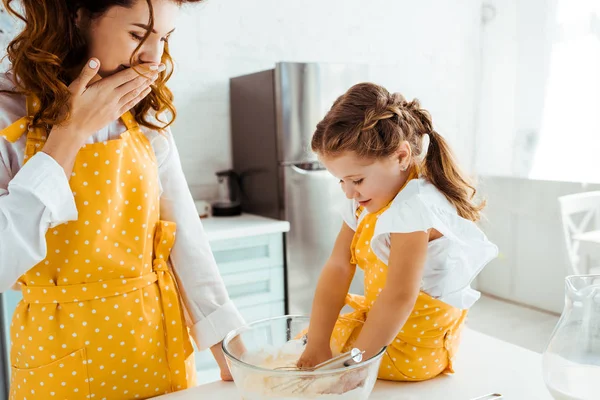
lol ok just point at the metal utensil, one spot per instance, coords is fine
(492, 396)
(343, 360)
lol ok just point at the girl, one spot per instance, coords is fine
(409, 224)
(89, 204)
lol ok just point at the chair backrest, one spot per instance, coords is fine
(580, 213)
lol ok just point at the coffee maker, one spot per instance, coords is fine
(229, 202)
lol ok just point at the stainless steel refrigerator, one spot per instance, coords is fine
(273, 116)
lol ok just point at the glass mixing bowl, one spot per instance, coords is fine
(253, 350)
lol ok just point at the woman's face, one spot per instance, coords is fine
(114, 36)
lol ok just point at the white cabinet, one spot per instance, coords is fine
(252, 268)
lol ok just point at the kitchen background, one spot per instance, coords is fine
(510, 84)
(513, 85)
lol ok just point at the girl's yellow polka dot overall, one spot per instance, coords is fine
(426, 345)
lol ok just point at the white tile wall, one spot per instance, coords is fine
(427, 49)
(9, 26)
(516, 47)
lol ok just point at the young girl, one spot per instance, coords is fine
(89, 205)
(409, 224)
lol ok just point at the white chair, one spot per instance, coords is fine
(581, 225)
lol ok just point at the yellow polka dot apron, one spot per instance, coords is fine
(426, 345)
(101, 316)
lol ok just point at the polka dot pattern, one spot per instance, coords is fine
(101, 316)
(13, 132)
(426, 345)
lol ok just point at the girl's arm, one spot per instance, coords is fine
(332, 288)
(397, 299)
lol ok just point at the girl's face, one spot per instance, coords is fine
(371, 182)
(114, 36)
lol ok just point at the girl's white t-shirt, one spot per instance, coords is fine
(452, 261)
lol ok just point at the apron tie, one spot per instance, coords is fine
(178, 344)
(85, 291)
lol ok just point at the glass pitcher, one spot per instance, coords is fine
(571, 362)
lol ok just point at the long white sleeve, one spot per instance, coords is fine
(212, 312)
(33, 197)
(37, 198)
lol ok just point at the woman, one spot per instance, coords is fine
(91, 190)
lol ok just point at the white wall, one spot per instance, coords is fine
(540, 90)
(523, 219)
(537, 137)
(8, 29)
(516, 43)
(427, 49)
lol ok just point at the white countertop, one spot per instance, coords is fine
(484, 365)
(220, 228)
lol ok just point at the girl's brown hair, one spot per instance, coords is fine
(46, 54)
(373, 123)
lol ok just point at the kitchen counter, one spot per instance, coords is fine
(484, 365)
(222, 228)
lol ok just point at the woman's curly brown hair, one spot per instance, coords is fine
(46, 54)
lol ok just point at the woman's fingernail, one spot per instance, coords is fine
(93, 64)
(162, 67)
(153, 67)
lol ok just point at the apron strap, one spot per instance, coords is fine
(14, 131)
(372, 218)
(178, 343)
(36, 136)
(129, 120)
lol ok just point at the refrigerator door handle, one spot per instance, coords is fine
(313, 172)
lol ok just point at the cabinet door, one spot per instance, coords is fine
(248, 253)
(256, 287)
